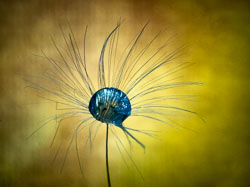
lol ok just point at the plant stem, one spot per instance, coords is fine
(107, 158)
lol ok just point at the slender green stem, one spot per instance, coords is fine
(107, 158)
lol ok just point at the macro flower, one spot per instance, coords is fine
(132, 84)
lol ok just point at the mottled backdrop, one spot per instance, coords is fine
(217, 35)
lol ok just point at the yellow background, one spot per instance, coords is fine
(217, 33)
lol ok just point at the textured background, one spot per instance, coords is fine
(217, 33)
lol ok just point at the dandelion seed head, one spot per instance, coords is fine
(133, 80)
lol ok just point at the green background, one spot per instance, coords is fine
(217, 33)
